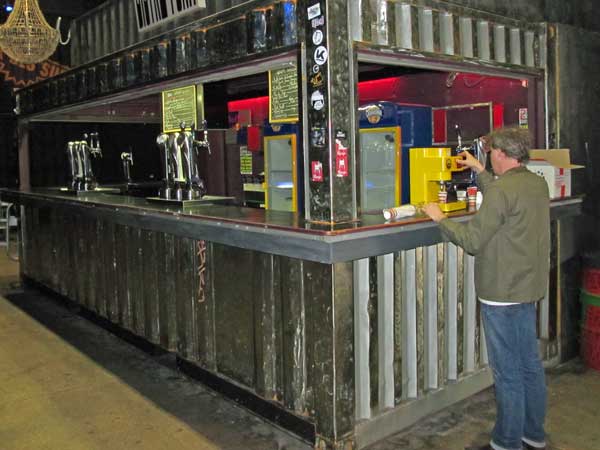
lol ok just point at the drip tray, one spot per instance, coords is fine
(206, 200)
(99, 190)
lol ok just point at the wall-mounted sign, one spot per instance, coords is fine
(245, 161)
(17, 75)
(283, 95)
(179, 105)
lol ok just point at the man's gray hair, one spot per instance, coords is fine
(513, 141)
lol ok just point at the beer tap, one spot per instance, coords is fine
(127, 160)
(204, 142)
(162, 141)
(185, 143)
(88, 173)
(74, 164)
(175, 158)
(95, 149)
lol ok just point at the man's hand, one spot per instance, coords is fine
(433, 211)
(471, 162)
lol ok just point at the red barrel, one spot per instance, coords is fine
(591, 281)
(590, 332)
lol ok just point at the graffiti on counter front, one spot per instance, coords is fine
(201, 271)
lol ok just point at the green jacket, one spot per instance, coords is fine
(509, 237)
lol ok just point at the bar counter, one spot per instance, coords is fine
(275, 232)
(342, 334)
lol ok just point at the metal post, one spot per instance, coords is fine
(24, 166)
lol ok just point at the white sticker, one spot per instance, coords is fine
(314, 11)
(321, 55)
(317, 37)
(318, 22)
(317, 100)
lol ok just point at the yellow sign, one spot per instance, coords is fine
(179, 106)
(283, 95)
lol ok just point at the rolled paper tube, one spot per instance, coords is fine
(399, 212)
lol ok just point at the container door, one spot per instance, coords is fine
(380, 168)
(280, 172)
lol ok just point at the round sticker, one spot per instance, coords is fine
(321, 55)
(317, 37)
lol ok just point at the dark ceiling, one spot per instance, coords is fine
(68, 8)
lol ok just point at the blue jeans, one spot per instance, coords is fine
(510, 334)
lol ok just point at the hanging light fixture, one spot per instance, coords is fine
(26, 37)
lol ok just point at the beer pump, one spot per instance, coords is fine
(80, 154)
(179, 156)
(127, 160)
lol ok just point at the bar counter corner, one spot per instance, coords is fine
(343, 334)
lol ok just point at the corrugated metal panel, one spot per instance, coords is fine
(437, 27)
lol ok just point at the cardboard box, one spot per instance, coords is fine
(555, 167)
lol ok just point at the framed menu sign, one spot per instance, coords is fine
(179, 105)
(283, 95)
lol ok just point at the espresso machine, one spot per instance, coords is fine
(432, 171)
(179, 159)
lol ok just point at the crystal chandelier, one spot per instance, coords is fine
(26, 37)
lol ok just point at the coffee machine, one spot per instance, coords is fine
(432, 171)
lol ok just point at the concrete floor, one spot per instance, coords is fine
(67, 384)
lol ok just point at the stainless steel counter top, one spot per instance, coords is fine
(276, 232)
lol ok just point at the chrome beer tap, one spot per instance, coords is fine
(176, 159)
(127, 160)
(74, 165)
(185, 142)
(162, 141)
(204, 142)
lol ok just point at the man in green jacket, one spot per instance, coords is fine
(510, 239)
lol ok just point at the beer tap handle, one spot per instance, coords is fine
(459, 135)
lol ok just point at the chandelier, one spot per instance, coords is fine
(26, 37)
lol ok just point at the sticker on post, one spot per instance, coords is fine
(317, 136)
(317, 101)
(321, 55)
(316, 171)
(317, 37)
(341, 159)
(523, 118)
(316, 80)
(318, 22)
(314, 11)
